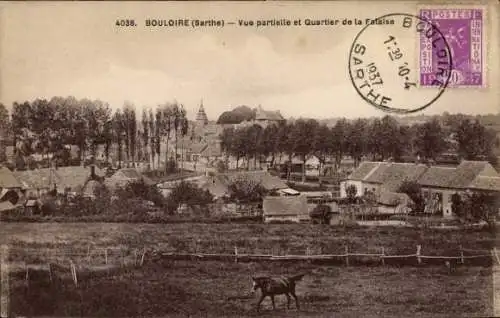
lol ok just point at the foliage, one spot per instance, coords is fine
(321, 213)
(477, 206)
(187, 193)
(237, 115)
(414, 191)
(475, 141)
(171, 166)
(351, 192)
(140, 189)
(221, 166)
(244, 190)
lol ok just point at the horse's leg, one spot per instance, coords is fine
(272, 299)
(287, 301)
(296, 299)
(259, 302)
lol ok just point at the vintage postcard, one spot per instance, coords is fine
(247, 159)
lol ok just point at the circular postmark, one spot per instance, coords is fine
(383, 62)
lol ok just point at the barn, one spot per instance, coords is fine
(285, 209)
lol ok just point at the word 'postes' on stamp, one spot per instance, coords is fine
(463, 30)
(382, 68)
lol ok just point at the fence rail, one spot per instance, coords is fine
(73, 268)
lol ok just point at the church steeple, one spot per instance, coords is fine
(201, 117)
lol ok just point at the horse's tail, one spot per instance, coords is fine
(296, 278)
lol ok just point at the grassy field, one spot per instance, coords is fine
(215, 289)
(249, 238)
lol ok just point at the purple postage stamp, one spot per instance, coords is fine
(463, 30)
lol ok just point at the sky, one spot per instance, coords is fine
(68, 48)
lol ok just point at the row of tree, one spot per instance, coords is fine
(376, 139)
(46, 126)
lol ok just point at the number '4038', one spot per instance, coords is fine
(125, 22)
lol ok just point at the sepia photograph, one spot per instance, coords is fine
(250, 159)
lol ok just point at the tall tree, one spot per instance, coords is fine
(475, 142)
(429, 141)
(184, 129)
(322, 145)
(166, 128)
(303, 136)
(227, 143)
(4, 120)
(158, 130)
(176, 118)
(4, 130)
(339, 145)
(357, 137)
(152, 133)
(118, 133)
(145, 133)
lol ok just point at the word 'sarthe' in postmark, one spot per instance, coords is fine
(463, 30)
(383, 63)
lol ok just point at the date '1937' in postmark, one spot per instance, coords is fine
(382, 68)
(463, 30)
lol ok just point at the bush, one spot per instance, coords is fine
(322, 214)
(244, 190)
(187, 193)
(141, 190)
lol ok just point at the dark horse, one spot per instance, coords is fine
(271, 286)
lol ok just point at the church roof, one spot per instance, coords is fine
(268, 115)
(202, 116)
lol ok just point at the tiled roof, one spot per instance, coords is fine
(285, 206)
(8, 179)
(467, 171)
(437, 177)
(268, 181)
(37, 179)
(218, 184)
(6, 206)
(197, 147)
(461, 177)
(213, 149)
(75, 177)
(126, 175)
(363, 170)
(486, 183)
(268, 115)
(130, 173)
(392, 175)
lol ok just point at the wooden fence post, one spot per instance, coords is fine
(27, 276)
(50, 272)
(236, 254)
(419, 260)
(347, 255)
(88, 253)
(462, 260)
(143, 254)
(382, 257)
(73, 273)
(135, 257)
(106, 255)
